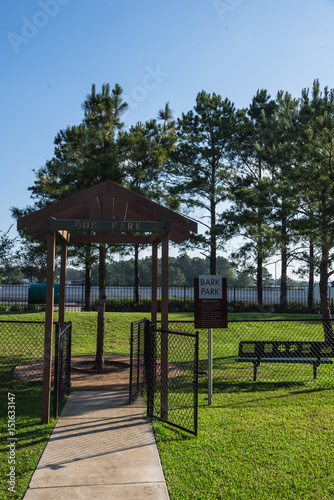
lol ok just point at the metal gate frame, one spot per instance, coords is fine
(138, 358)
(165, 364)
(62, 364)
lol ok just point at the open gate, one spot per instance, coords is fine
(165, 364)
(62, 365)
(138, 358)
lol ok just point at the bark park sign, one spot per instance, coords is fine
(210, 301)
(107, 225)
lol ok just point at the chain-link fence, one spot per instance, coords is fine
(268, 353)
(173, 377)
(21, 353)
(62, 377)
(138, 366)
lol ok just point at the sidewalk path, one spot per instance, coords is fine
(101, 447)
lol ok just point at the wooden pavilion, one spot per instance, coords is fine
(105, 213)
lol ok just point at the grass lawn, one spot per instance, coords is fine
(265, 444)
(256, 440)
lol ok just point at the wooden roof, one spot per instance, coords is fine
(107, 201)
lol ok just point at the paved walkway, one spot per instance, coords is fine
(101, 448)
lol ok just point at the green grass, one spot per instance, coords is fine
(266, 444)
(263, 440)
(32, 438)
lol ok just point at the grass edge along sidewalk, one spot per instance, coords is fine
(249, 441)
(264, 444)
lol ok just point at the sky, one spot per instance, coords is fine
(52, 51)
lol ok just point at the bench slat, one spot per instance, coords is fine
(284, 360)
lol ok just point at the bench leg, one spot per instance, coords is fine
(314, 372)
(255, 372)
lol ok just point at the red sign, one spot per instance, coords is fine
(210, 302)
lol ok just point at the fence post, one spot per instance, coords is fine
(56, 374)
(196, 383)
(131, 364)
(151, 367)
(69, 357)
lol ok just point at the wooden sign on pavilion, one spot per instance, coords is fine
(105, 213)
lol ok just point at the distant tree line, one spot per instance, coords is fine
(182, 271)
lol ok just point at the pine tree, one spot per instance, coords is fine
(199, 170)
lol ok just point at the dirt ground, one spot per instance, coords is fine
(92, 381)
(82, 380)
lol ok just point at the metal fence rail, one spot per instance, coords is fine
(62, 365)
(15, 298)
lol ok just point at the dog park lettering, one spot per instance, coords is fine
(92, 225)
(107, 225)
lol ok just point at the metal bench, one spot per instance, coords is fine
(257, 352)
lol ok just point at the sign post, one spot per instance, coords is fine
(210, 373)
(210, 312)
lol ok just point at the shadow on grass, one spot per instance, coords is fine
(239, 387)
(164, 432)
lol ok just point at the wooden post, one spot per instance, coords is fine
(51, 245)
(62, 286)
(164, 325)
(164, 282)
(154, 292)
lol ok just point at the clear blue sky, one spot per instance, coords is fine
(158, 51)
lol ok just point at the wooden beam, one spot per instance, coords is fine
(62, 286)
(164, 282)
(63, 236)
(154, 285)
(155, 238)
(51, 245)
(164, 325)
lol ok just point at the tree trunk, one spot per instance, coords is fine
(213, 239)
(324, 297)
(284, 263)
(137, 297)
(99, 359)
(88, 278)
(311, 279)
(259, 279)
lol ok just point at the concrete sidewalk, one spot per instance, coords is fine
(101, 447)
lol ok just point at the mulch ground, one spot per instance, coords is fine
(82, 379)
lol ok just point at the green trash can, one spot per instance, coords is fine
(37, 293)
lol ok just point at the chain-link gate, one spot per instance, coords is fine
(165, 363)
(62, 365)
(138, 357)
